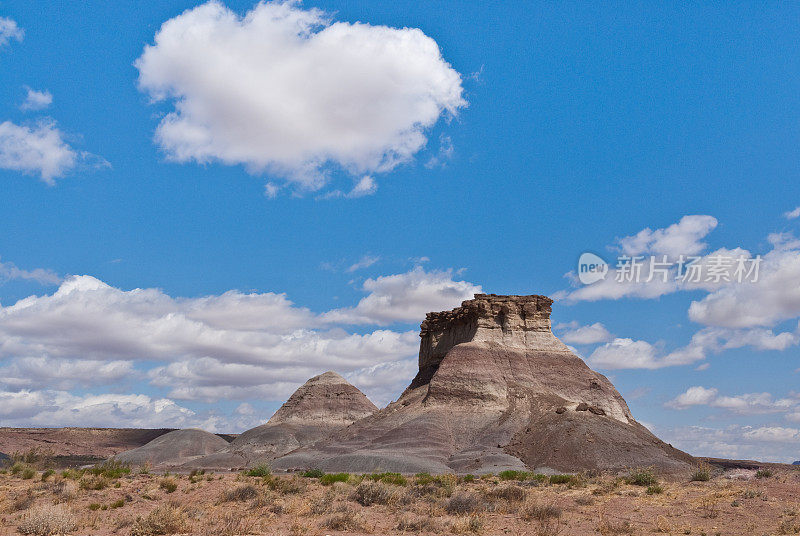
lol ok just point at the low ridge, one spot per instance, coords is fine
(173, 448)
(495, 390)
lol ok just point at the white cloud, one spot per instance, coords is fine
(792, 214)
(773, 433)
(286, 91)
(773, 298)
(36, 100)
(365, 262)
(363, 187)
(625, 353)
(231, 346)
(384, 381)
(767, 443)
(444, 154)
(36, 150)
(592, 334)
(64, 374)
(9, 271)
(694, 396)
(405, 297)
(745, 404)
(682, 238)
(60, 408)
(768, 296)
(9, 30)
(245, 409)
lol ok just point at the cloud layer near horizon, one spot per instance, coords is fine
(229, 347)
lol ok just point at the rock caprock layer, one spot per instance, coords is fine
(323, 405)
(495, 390)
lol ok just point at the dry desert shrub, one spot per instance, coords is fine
(22, 501)
(298, 529)
(464, 502)
(641, 477)
(468, 524)
(546, 517)
(63, 490)
(607, 527)
(709, 507)
(36, 457)
(662, 525)
(787, 526)
(368, 493)
(229, 524)
(242, 493)
(346, 519)
(323, 505)
(46, 520)
(417, 524)
(286, 486)
(94, 482)
(701, 474)
(161, 521)
(168, 484)
(507, 492)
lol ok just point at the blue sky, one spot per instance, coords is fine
(325, 190)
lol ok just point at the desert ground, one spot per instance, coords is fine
(117, 499)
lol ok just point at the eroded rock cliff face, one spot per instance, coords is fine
(513, 321)
(495, 390)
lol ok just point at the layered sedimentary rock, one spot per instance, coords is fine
(322, 406)
(495, 390)
(173, 449)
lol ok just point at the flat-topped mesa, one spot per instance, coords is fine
(514, 321)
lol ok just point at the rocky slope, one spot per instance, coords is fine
(174, 448)
(495, 390)
(322, 406)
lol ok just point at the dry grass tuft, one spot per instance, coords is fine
(464, 502)
(168, 484)
(160, 521)
(607, 527)
(369, 493)
(346, 519)
(418, 524)
(508, 492)
(547, 517)
(242, 493)
(23, 501)
(48, 519)
(468, 524)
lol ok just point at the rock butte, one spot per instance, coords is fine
(495, 390)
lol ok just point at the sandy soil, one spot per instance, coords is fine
(732, 502)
